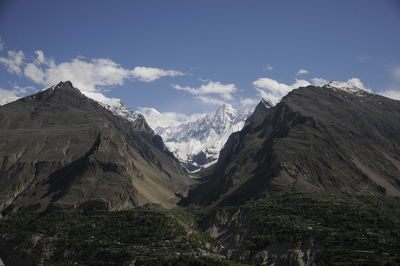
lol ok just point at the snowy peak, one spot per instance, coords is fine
(197, 143)
(347, 87)
(267, 103)
(155, 118)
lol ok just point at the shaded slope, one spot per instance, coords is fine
(316, 139)
(60, 149)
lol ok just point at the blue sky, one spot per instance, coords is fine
(190, 56)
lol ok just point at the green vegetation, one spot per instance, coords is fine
(146, 236)
(341, 230)
(349, 230)
(344, 230)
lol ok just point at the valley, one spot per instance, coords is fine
(312, 180)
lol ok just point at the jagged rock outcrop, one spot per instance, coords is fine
(233, 229)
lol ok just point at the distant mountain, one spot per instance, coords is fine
(197, 143)
(334, 138)
(62, 150)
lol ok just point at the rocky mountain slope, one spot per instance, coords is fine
(61, 150)
(317, 139)
(197, 143)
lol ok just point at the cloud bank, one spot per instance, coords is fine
(89, 75)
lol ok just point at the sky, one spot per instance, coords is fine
(189, 56)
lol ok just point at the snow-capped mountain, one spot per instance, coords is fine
(115, 105)
(197, 143)
(349, 88)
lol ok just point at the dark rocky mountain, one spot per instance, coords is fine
(62, 150)
(316, 140)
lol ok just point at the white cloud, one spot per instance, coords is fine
(1, 45)
(7, 96)
(92, 76)
(87, 75)
(394, 88)
(356, 82)
(353, 82)
(41, 59)
(319, 81)
(302, 72)
(393, 94)
(268, 67)
(249, 101)
(166, 119)
(212, 87)
(149, 74)
(274, 90)
(14, 61)
(35, 73)
(23, 90)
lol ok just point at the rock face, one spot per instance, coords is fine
(317, 139)
(60, 150)
(233, 229)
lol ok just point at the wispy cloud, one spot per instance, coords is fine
(221, 92)
(149, 74)
(319, 81)
(7, 96)
(17, 92)
(13, 62)
(274, 90)
(394, 88)
(302, 72)
(268, 67)
(393, 94)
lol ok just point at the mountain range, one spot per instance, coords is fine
(195, 140)
(312, 180)
(197, 143)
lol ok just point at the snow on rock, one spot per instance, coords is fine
(349, 87)
(197, 143)
(267, 103)
(113, 104)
